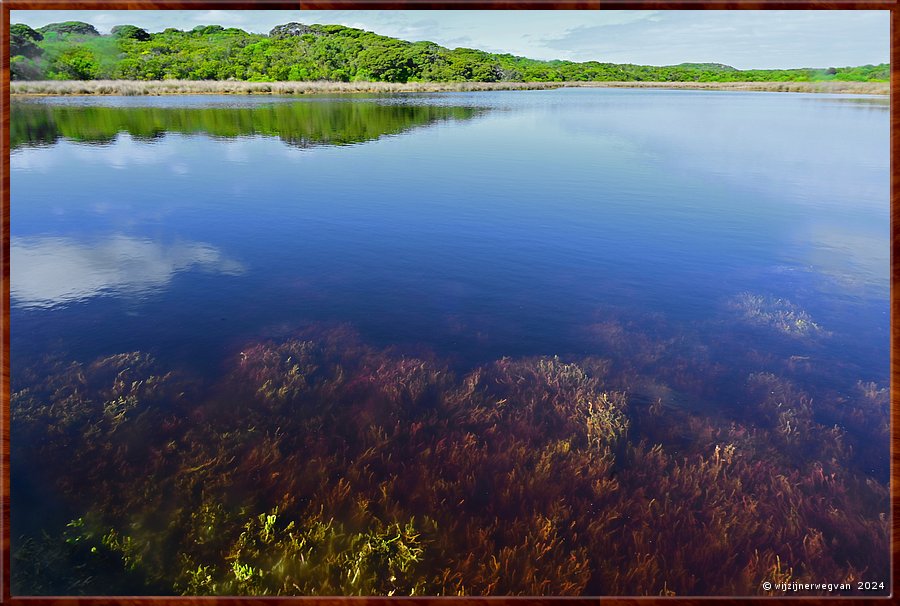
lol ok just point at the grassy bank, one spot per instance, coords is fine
(200, 87)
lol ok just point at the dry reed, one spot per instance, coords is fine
(209, 87)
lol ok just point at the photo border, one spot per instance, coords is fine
(8, 5)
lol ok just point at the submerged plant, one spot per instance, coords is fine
(321, 466)
(780, 314)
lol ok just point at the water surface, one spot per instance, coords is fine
(692, 238)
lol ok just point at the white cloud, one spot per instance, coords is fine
(743, 39)
(31, 159)
(47, 271)
(125, 153)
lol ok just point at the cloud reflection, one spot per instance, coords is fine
(50, 271)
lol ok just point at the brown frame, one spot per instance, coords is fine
(5, 598)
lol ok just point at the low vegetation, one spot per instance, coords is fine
(779, 314)
(209, 87)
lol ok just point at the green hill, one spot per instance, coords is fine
(294, 51)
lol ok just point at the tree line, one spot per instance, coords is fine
(75, 50)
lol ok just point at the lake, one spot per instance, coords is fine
(372, 321)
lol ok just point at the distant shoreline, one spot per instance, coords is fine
(213, 87)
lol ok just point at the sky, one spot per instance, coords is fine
(742, 39)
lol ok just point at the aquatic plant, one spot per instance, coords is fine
(78, 560)
(91, 418)
(545, 398)
(780, 314)
(319, 465)
(315, 557)
(863, 411)
(278, 373)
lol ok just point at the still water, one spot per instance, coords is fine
(722, 233)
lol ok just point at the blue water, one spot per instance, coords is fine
(502, 233)
(670, 232)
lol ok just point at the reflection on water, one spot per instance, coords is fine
(53, 271)
(492, 356)
(299, 124)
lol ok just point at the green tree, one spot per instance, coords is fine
(131, 32)
(76, 63)
(22, 30)
(69, 28)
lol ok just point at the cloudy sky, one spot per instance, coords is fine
(743, 39)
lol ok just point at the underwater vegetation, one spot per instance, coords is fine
(778, 314)
(320, 465)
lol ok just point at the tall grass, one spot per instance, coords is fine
(201, 87)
